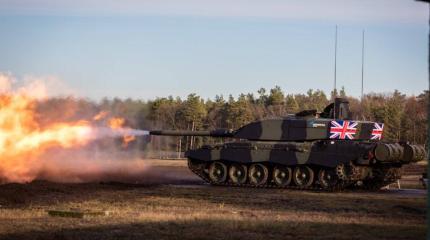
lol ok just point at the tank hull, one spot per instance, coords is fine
(329, 165)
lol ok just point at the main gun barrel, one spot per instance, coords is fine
(213, 133)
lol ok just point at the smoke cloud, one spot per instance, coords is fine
(78, 151)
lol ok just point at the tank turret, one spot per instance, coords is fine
(307, 125)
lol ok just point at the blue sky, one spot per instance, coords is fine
(144, 49)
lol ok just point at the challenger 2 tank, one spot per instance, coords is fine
(307, 150)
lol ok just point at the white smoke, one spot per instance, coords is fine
(104, 132)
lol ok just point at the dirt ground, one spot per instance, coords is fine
(169, 202)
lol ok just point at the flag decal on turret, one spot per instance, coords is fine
(343, 129)
(378, 128)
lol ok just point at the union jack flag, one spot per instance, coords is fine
(343, 129)
(378, 128)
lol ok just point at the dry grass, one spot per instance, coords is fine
(159, 211)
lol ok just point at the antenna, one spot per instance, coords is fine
(362, 67)
(335, 56)
(334, 89)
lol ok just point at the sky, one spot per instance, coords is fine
(146, 49)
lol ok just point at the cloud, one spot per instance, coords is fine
(350, 11)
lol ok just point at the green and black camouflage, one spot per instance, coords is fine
(323, 150)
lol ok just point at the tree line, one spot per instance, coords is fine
(405, 117)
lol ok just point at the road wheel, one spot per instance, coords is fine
(218, 172)
(238, 173)
(258, 174)
(282, 175)
(303, 176)
(327, 178)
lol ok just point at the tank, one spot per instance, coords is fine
(307, 150)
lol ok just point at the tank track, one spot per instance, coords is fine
(383, 177)
(341, 185)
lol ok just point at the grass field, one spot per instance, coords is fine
(168, 202)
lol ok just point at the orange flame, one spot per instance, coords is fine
(101, 115)
(116, 123)
(21, 139)
(127, 139)
(24, 143)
